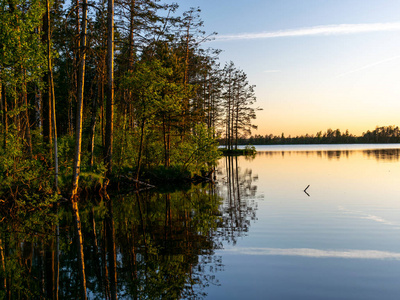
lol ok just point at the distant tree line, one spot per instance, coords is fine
(384, 134)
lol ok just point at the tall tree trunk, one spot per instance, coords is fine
(17, 116)
(52, 96)
(78, 146)
(79, 111)
(139, 161)
(108, 151)
(3, 281)
(27, 123)
(237, 126)
(1, 102)
(8, 279)
(101, 101)
(38, 104)
(131, 28)
(5, 119)
(46, 94)
(167, 144)
(92, 130)
(56, 252)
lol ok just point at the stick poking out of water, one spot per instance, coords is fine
(305, 190)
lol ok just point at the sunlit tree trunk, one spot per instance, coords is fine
(101, 102)
(76, 61)
(5, 119)
(79, 111)
(78, 146)
(52, 95)
(26, 123)
(92, 130)
(46, 93)
(3, 281)
(1, 101)
(8, 279)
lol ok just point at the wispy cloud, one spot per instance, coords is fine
(272, 71)
(338, 29)
(368, 66)
(316, 253)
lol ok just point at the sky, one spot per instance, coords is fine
(316, 64)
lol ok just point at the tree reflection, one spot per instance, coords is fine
(150, 245)
(378, 154)
(27, 250)
(383, 154)
(238, 191)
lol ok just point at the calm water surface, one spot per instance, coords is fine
(339, 241)
(258, 233)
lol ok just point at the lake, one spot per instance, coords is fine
(292, 222)
(339, 241)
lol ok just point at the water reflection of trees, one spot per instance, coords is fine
(378, 154)
(238, 190)
(147, 246)
(151, 245)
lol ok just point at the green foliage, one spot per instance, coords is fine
(250, 150)
(21, 42)
(162, 174)
(28, 223)
(21, 174)
(167, 98)
(91, 177)
(200, 150)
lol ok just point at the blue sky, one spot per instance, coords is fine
(317, 64)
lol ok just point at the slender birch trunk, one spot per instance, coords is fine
(24, 96)
(46, 95)
(131, 28)
(78, 146)
(79, 111)
(3, 281)
(92, 131)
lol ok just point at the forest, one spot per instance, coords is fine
(101, 100)
(91, 91)
(383, 134)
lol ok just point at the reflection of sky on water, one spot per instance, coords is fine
(342, 242)
(362, 215)
(378, 154)
(316, 253)
(324, 147)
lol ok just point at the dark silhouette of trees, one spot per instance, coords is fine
(384, 134)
